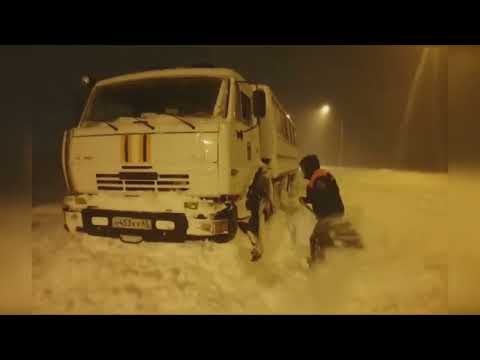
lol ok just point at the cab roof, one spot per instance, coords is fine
(176, 72)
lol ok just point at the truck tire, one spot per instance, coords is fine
(292, 185)
(276, 194)
(280, 191)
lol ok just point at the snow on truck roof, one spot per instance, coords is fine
(177, 72)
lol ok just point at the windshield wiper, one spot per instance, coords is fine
(178, 118)
(111, 125)
(144, 122)
(182, 120)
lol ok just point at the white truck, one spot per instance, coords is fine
(169, 154)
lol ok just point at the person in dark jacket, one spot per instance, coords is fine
(323, 194)
(258, 201)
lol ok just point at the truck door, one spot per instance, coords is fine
(246, 147)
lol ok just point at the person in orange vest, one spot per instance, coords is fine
(324, 196)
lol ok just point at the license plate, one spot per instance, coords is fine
(131, 223)
(220, 227)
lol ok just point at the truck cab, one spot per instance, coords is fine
(165, 155)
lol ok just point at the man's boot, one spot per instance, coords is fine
(317, 254)
(257, 250)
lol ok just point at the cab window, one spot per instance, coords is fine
(246, 108)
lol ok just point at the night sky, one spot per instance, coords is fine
(367, 86)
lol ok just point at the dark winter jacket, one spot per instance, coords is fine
(324, 195)
(258, 189)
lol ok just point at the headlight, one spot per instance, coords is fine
(192, 205)
(80, 201)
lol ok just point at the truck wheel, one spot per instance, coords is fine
(276, 194)
(292, 182)
(280, 192)
(232, 226)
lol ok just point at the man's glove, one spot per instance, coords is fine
(268, 210)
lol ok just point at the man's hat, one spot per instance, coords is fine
(309, 164)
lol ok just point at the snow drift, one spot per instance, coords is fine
(402, 217)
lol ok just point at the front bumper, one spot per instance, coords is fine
(81, 221)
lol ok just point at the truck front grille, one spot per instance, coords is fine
(143, 181)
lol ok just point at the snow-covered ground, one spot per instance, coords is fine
(402, 216)
(464, 242)
(15, 254)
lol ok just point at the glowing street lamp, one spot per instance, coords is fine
(325, 110)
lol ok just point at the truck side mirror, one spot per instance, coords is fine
(259, 104)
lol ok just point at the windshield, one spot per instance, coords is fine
(203, 97)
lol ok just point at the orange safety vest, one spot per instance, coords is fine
(317, 174)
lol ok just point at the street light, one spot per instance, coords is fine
(325, 111)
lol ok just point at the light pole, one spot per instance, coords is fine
(340, 150)
(325, 111)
